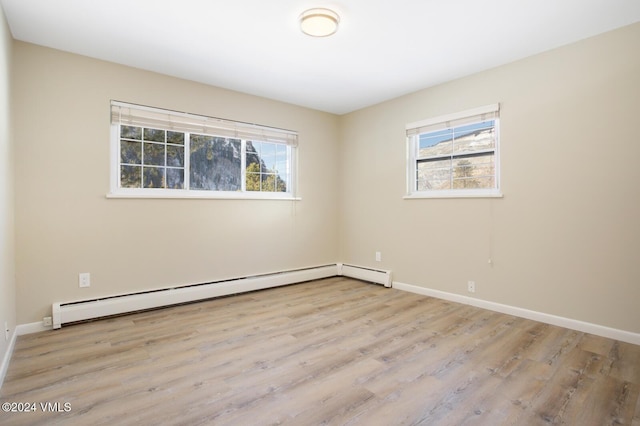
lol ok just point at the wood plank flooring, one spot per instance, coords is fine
(334, 351)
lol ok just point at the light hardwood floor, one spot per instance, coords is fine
(334, 351)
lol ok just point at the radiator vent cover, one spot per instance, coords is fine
(364, 273)
(82, 310)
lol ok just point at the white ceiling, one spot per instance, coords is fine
(383, 49)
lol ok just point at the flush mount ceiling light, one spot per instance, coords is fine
(319, 22)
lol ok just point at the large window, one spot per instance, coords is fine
(455, 155)
(160, 153)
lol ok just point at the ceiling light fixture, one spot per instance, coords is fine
(319, 22)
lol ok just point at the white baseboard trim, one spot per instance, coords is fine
(4, 367)
(586, 327)
(21, 329)
(33, 327)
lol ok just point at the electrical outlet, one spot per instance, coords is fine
(46, 321)
(471, 286)
(378, 256)
(84, 279)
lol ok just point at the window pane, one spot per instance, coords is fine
(154, 154)
(434, 175)
(264, 182)
(215, 163)
(130, 176)
(282, 184)
(131, 132)
(175, 178)
(175, 156)
(268, 183)
(281, 159)
(130, 152)
(254, 166)
(200, 141)
(474, 172)
(463, 175)
(154, 135)
(253, 154)
(282, 168)
(153, 177)
(268, 156)
(435, 143)
(252, 178)
(474, 137)
(267, 167)
(175, 137)
(486, 182)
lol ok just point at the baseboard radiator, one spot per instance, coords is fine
(378, 276)
(69, 312)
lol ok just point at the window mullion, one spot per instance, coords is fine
(453, 140)
(166, 164)
(243, 165)
(187, 160)
(142, 142)
(414, 153)
(117, 153)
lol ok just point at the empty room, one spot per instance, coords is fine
(308, 212)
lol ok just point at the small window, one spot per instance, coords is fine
(455, 155)
(160, 153)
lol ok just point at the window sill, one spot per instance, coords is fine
(455, 194)
(201, 195)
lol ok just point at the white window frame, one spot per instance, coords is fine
(470, 116)
(143, 116)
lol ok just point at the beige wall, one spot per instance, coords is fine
(7, 271)
(65, 225)
(565, 239)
